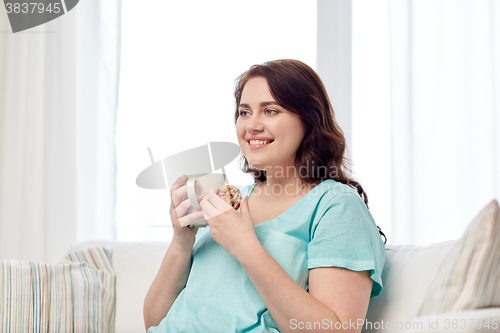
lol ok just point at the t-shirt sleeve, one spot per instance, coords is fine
(344, 234)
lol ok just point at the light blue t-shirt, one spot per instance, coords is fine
(329, 226)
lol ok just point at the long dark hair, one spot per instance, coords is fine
(297, 88)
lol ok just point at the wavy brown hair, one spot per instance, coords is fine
(298, 89)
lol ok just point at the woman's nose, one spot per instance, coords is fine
(254, 124)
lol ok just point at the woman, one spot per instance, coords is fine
(302, 253)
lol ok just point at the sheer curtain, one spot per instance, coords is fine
(445, 84)
(421, 106)
(353, 62)
(58, 99)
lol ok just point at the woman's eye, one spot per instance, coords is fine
(271, 110)
(243, 113)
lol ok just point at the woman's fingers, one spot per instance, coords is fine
(188, 219)
(217, 201)
(214, 205)
(183, 207)
(178, 183)
(179, 192)
(177, 189)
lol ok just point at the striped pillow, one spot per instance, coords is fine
(470, 274)
(76, 295)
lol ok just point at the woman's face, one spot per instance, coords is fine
(268, 134)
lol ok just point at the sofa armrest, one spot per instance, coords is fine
(485, 320)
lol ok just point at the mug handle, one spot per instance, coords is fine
(192, 194)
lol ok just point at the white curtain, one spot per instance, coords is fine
(58, 100)
(445, 96)
(334, 59)
(353, 63)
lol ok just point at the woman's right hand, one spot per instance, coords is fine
(184, 236)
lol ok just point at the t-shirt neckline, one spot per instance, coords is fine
(289, 208)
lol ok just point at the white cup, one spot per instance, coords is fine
(206, 181)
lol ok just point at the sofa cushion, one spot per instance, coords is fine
(470, 275)
(76, 295)
(135, 265)
(407, 275)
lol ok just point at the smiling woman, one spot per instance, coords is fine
(312, 254)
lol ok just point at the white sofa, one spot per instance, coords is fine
(408, 273)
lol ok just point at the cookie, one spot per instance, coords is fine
(231, 194)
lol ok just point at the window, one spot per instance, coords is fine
(179, 62)
(371, 109)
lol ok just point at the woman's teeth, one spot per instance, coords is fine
(259, 142)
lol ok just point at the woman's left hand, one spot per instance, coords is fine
(232, 230)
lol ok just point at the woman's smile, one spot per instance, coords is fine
(255, 142)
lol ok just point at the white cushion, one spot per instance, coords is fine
(470, 276)
(408, 273)
(135, 265)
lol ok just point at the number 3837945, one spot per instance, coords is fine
(33, 7)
